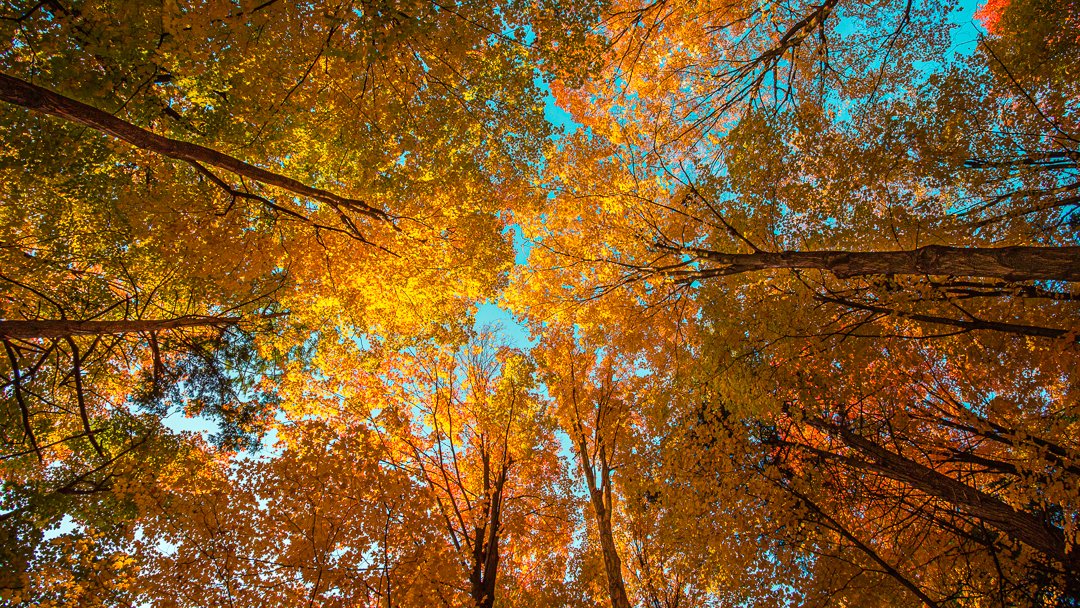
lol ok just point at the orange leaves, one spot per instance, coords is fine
(83, 573)
(990, 13)
(806, 431)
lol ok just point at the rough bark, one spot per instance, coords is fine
(485, 566)
(1021, 526)
(600, 497)
(1008, 263)
(66, 328)
(39, 99)
(612, 563)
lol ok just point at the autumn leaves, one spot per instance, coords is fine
(804, 318)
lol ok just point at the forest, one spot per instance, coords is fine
(540, 303)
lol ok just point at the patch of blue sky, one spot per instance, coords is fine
(165, 548)
(968, 31)
(510, 328)
(179, 422)
(66, 525)
(554, 114)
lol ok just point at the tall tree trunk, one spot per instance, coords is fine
(600, 497)
(612, 563)
(1021, 526)
(66, 328)
(485, 567)
(1009, 263)
(39, 99)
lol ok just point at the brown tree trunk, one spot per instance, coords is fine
(1009, 263)
(600, 497)
(1021, 526)
(612, 563)
(27, 95)
(485, 567)
(65, 328)
(1058, 159)
(965, 324)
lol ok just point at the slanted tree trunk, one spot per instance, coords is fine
(39, 99)
(1009, 263)
(1057, 159)
(1019, 525)
(965, 324)
(66, 328)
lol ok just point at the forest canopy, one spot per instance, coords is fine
(493, 303)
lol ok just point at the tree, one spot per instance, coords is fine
(425, 477)
(194, 80)
(754, 226)
(194, 197)
(800, 281)
(594, 413)
(472, 429)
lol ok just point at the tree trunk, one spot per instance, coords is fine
(1021, 526)
(27, 95)
(65, 328)
(1058, 159)
(485, 567)
(1008, 263)
(612, 564)
(965, 324)
(600, 497)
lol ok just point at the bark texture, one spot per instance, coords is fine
(600, 497)
(485, 566)
(1019, 525)
(1008, 263)
(66, 328)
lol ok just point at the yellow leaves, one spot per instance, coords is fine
(390, 421)
(325, 304)
(517, 373)
(83, 572)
